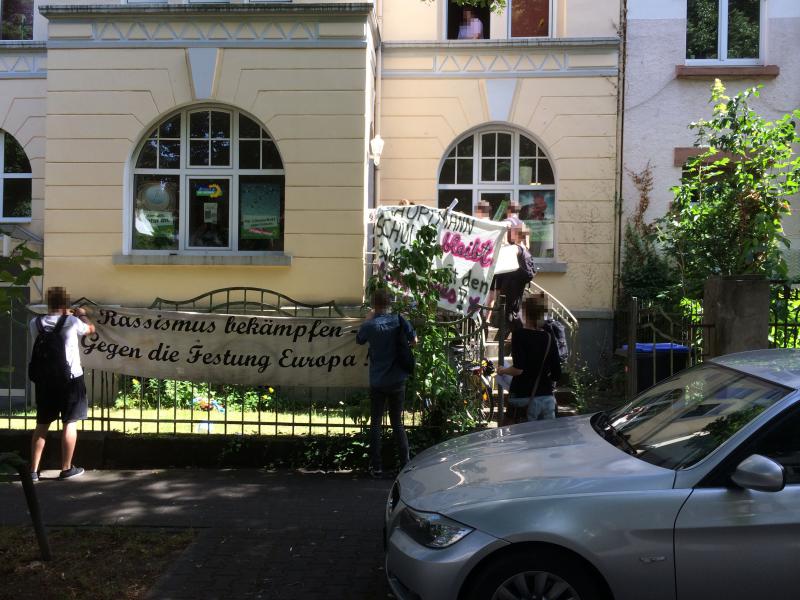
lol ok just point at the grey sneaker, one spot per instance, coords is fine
(34, 476)
(71, 473)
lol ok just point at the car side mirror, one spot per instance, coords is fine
(759, 473)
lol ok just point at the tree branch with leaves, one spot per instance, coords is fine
(727, 215)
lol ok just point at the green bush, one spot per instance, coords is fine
(728, 210)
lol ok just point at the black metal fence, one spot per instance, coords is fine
(784, 315)
(658, 343)
(136, 405)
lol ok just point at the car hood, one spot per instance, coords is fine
(543, 458)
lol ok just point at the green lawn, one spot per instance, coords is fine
(168, 420)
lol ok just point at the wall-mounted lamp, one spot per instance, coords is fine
(376, 149)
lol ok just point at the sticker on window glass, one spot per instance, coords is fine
(213, 190)
(210, 212)
(537, 211)
(260, 211)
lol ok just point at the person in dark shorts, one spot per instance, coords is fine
(387, 379)
(57, 400)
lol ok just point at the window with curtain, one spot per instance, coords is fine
(530, 18)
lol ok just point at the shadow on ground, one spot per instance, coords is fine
(269, 535)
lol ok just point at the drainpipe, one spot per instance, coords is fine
(378, 90)
(623, 59)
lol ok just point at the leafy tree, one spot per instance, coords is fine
(727, 213)
(646, 273)
(494, 5)
(410, 272)
(702, 25)
(15, 274)
(744, 35)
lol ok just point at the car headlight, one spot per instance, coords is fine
(432, 529)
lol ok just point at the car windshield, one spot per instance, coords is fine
(680, 421)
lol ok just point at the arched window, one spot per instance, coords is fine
(507, 170)
(207, 179)
(15, 181)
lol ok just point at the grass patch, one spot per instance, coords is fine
(179, 420)
(88, 563)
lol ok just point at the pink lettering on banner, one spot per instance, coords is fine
(475, 251)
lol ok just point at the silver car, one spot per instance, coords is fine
(691, 491)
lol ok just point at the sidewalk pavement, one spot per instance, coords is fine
(261, 535)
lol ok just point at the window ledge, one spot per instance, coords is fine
(535, 42)
(726, 71)
(550, 267)
(265, 260)
(27, 45)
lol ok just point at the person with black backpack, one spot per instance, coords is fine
(512, 284)
(391, 362)
(55, 369)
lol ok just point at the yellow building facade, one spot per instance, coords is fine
(177, 148)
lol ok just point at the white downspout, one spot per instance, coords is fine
(378, 91)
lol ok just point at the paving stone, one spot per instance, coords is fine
(261, 535)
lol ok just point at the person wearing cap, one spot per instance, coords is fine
(512, 284)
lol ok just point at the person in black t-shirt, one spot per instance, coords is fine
(512, 284)
(536, 367)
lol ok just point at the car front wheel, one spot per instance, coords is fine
(527, 576)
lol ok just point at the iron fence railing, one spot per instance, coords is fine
(784, 315)
(658, 343)
(136, 405)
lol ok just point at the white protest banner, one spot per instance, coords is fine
(219, 348)
(470, 248)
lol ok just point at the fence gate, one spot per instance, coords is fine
(660, 343)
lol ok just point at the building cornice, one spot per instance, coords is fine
(501, 59)
(23, 60)
(546, 43)
(66, 11)
(22, 46)
(220, 25)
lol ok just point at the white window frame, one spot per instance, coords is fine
(4, 176)
(184, 173)
(550, 24)
(722, 40)
(478, 187)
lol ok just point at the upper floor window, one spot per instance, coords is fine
(530, 18)
(15, 181)
(467, 22)
(208, 179)
(16, 19)
(724, 31)
(500, 173)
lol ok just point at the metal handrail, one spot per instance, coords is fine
(561, 311)
(259, 303)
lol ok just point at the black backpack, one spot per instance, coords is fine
(526, 264)
(49, 357)
(403, 354)
(558, 331)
